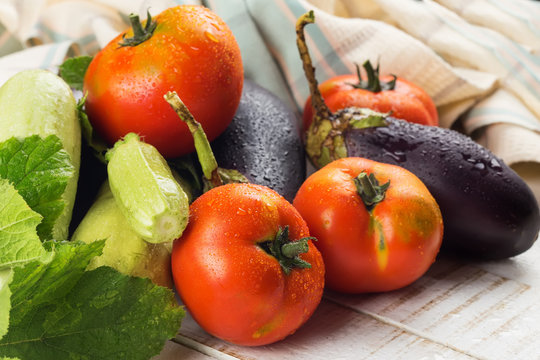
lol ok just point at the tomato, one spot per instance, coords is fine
(190, 51)
(387, 93)
(228, 278)
(381, 240)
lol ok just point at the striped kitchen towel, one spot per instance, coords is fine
(476, 58)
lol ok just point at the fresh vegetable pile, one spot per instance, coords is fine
(53, 306)
(88, 264)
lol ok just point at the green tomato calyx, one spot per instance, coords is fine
(287, 251)
(373, 82)
(369, 189)
(140, 33)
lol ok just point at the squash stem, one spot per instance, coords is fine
(202, 145)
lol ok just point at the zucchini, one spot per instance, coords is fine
(146, 192)
(124, 249)
(38, 102)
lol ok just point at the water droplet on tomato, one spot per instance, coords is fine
(211, 36)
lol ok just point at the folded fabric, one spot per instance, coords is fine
(480, 70)
(516, 19)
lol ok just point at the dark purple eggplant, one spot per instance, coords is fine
(263, 142)
(488, 211)
(262, 145)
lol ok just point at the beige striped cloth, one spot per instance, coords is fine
(478, 59)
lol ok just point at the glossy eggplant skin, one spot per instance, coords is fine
(489, 212)
(264, 142)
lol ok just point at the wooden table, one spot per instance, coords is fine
(457, 310)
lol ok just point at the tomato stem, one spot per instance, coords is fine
(204, 150)
(373, 83)
(296, 248)
(369, 189)
(140, 34)
(287, 251)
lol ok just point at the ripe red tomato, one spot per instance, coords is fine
(404, 99)
(190, 51)
(378, 241)
(227, 276)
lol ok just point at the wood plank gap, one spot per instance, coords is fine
(406, 328)
(202, 348)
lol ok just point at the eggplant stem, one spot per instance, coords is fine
(317, 100)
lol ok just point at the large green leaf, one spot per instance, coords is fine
(59, 311)
(39, 169)
(19, 242)
(5, 305)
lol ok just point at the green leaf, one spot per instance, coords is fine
(39, 169)
(73, 71)
(96, 143)
(5, 304)
(59, 311)
(19, 242)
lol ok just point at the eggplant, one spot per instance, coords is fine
(261, 145)
(488, 211)
(263, 142)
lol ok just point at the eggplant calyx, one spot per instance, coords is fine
(287, 251)
(325, 142)
(140, 34)
(369, 189)
(324, 139)
(362, 118)
(373, 82)
(325, 136)
(319, 142)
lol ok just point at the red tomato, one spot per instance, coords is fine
(223, 271)
(370, 243)
(191, 51)
(404, 99)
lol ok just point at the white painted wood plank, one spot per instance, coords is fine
(175, 351)
(334, 332)
(458, 310)
(467, 307)
(524, 268)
